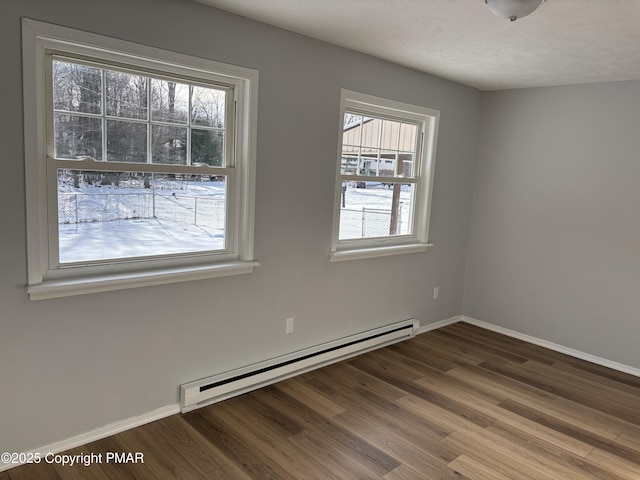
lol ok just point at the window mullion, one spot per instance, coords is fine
(103, 111)
(360, 145)
(229, 150)
(189, 111)
(99, 166)
(149, 128)
(379, 148)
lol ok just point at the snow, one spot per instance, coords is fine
(134, 238)
(130, 221)
(179, 216)
(376, 199)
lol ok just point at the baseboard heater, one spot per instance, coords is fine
(235, 382)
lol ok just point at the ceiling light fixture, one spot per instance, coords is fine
(513, 9)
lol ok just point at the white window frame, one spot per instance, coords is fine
(427, 120)
(47, 279)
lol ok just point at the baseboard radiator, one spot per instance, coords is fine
(229, 384)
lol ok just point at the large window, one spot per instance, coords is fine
(385, 168)
(139, 164)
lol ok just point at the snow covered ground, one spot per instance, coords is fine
(128, 220)
(374, 221)
(178, 216)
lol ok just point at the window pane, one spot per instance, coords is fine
(407, 164)
(351, 135)
(106, 215)
(390, 135)
(126, 142)
(350, 149)
(371, 209)
(408, 134)
(169, 101)
(349, 165)
(77, 136)
(207, 146)
(351, 120)
(208, 107)
(126, 95)
(388, 163)
(169, 145)
(370, 133)
(369, 164)
(386, 147)
(76, 88)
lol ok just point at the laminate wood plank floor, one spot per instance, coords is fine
(456, 403)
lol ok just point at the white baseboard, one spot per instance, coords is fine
(169, 410)
(99, 433)
(440, 324)
(149, 417)
(553, 346)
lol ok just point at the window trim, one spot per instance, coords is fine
(427, 120)
(40, 39)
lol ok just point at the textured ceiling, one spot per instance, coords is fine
(563, 42)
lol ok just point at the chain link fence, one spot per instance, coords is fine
(74, 208)
(202, 211)
(366, 223)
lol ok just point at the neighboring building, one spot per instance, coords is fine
(384, 144)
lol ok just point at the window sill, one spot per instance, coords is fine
(108, 282)
(360, 253)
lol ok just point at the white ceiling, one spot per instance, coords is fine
(563, 42)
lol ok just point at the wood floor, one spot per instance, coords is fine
(457, 403)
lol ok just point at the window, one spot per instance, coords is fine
(139, 164)
(384, 176)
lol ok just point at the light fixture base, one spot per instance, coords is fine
(513, 9)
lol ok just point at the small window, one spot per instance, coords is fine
(139, 164)
(385, 169)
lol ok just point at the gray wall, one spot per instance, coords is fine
(73, 364)
(554, 250)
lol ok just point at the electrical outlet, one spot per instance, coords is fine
(289, 326)
(436, 293)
